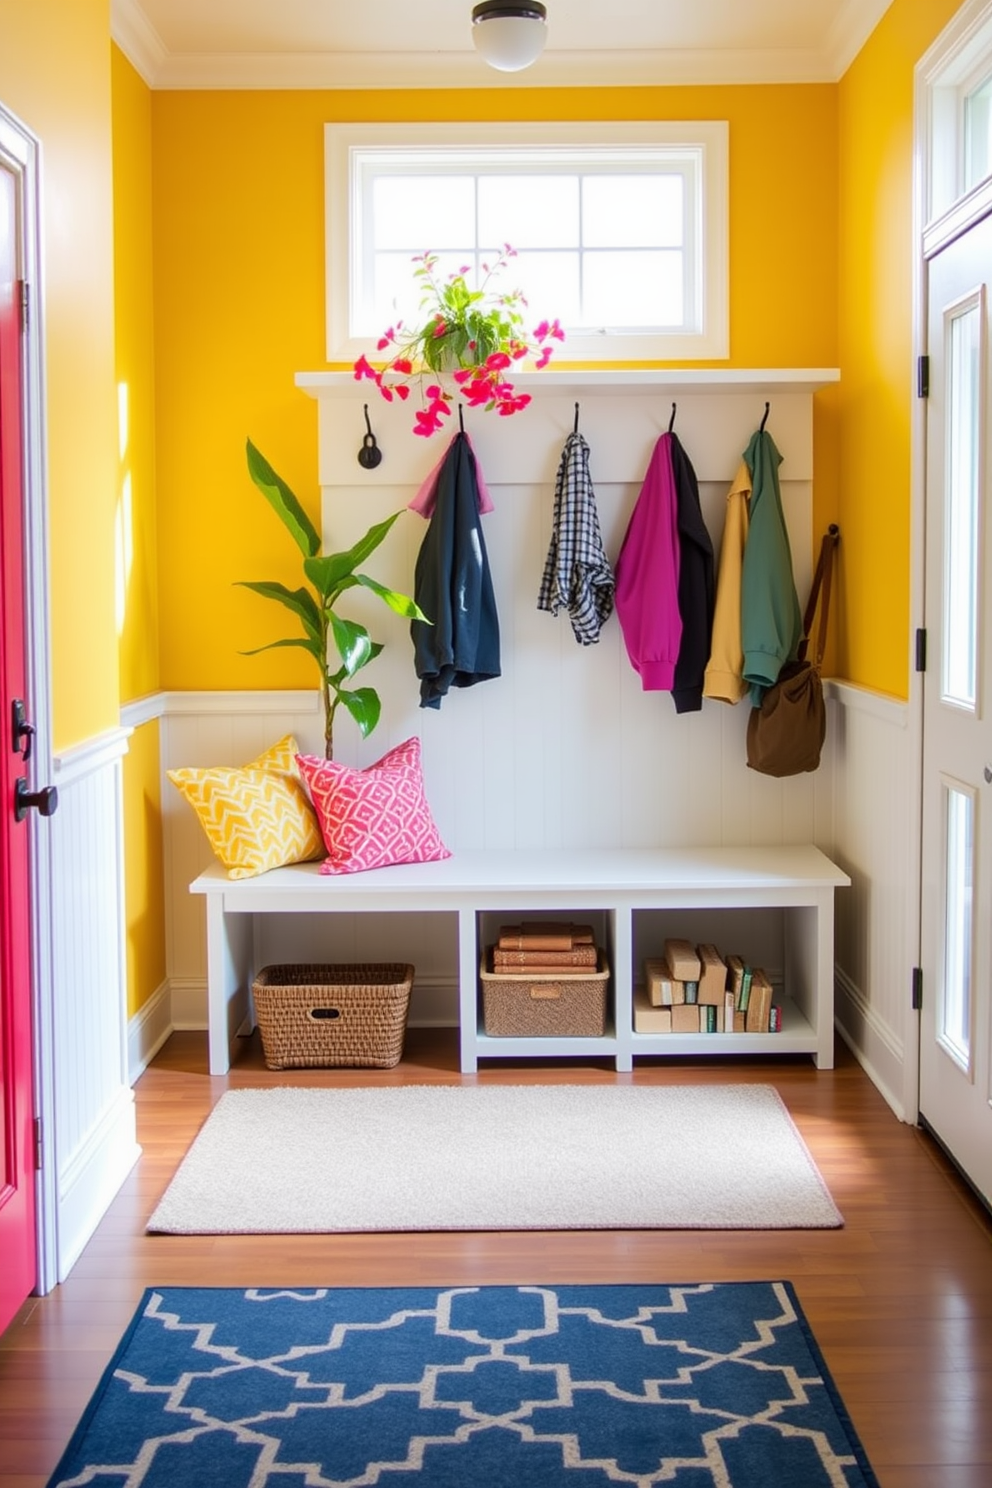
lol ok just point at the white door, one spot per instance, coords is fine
(956, 925)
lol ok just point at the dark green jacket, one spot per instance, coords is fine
(771, 620)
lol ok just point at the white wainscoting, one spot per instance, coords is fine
(876, 827)
(94, 1144)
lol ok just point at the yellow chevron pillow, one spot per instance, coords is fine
(257, 817)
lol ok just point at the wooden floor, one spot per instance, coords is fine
(900, 1299)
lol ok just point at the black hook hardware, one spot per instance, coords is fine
(575, 426)
(44, 801)
(461, 419)
(370, 455)
(671, 421)
(764, 418)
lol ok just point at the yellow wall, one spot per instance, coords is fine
(239, 309)
(877, 387)
(137, 590)
(55, 76)
(137, 551)
(144, 871)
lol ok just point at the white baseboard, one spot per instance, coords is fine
(148, 1030)
(89, 1182)
(873, 1045)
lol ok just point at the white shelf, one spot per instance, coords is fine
(618, 380)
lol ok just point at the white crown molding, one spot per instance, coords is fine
(162, 69)
(850, 29)
(391, 70)
(137, 38)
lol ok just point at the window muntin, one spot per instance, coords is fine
(623, 239)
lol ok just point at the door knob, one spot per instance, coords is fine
(44, 801)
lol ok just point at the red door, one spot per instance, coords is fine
(17, 1204)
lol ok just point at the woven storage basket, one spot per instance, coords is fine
(545, 1004)
(311, 1016)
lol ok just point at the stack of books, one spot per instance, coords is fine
(693, 989)
(544, 946)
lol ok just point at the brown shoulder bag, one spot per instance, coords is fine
(785, 732)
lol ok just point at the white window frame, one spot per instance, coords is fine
(703, 143)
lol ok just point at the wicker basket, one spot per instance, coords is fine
(311, 1016)
(545, 1004)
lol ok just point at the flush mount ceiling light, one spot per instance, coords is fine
(509, 37)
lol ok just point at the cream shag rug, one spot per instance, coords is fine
(498, 1157)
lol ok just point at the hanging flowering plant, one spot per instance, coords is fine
(469, 339)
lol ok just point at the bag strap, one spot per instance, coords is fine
(821, 580)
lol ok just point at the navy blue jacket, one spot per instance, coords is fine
(454, 588)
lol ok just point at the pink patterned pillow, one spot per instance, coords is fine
(371, 818)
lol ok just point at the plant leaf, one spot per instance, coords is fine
(328, 571)
(311, 646)
(364, 706)
(353, 642)
(300, 601)
(285, 505)
(401, 604)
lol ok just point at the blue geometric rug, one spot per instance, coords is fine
(704, 1386)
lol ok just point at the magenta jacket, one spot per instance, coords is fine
(647, 576)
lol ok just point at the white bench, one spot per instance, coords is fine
(617, 886)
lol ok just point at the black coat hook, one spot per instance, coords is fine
(461, 419)
(575, 426)
(370, 455)
(671, 421)
(764, 418)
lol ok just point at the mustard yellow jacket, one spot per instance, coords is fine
(724, 678)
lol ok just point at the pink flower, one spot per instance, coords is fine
(363, 368)
(546, 354)
(402, 365)
(498, 361)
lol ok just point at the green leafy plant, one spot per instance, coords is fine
(330, 575)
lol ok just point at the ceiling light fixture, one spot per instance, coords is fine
(509, 37)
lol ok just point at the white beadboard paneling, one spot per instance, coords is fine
(94, 1141)
(875, 925)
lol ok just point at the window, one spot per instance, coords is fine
(955, 99)
(619, 231)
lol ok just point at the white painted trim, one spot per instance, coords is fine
(143, 710)
(889, 1096)
(463, 68)
(958, 219)
(851, 27)
(137, 38)
(93, 755)
(621, 382)
(90, 1181)
(148, 1030)
(880, 705)
(305, 700)
(956, 42)
(188, 999)
(882, 1031)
